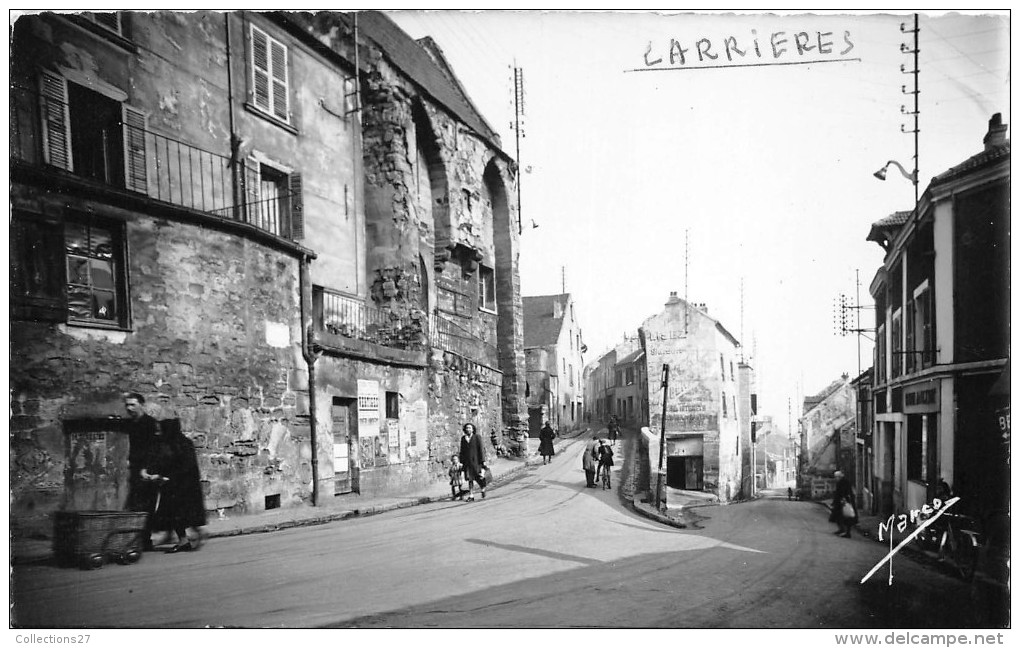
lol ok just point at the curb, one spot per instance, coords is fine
(650, 512)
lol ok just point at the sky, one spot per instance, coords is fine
(743, 183)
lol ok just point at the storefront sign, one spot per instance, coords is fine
(368, 408)
(921, 398)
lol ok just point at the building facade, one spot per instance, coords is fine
(827, 439)
(554, 356)
(704, 402)
(291, 232)
(941, 375)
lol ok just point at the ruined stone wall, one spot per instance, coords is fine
(214, 341)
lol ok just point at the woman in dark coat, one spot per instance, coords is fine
(172, 465)
(472, 456)
(545, 443)
(844, 493)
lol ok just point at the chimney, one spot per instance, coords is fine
(996, 132)
(673, 299)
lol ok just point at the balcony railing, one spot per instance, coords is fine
(451, 336)
(131, 157)
(350, 317)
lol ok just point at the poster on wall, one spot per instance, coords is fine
(368, 451)
(368, 408)
(393, 432)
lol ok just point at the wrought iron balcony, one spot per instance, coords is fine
(46, 132)
(448, 335)
(349, 317)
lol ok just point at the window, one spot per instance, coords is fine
(630, 375)
(724, 411)
(880, 352)
(917, 447)
(270, 92)
(110, 21)
(92, 134)
(272, 199)
(923, 325)
(897, 344)
(68, 272)
(722, 366)
(392, 405)
(486, 289)
(732, 375)
(571, 372)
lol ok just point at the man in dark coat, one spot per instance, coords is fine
(472, 457)
(141, 429)
(545, 443)
(844, 494)
(589, 462)
(172, 465)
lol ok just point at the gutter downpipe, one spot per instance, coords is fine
(310, 355)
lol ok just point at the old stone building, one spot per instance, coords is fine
(291, 232)
(553, 349)
(827, 439)
(704, 403)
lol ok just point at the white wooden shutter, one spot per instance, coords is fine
(297, 207)
(281, 98)
(260, 69)
(135, 176)
(56, 121)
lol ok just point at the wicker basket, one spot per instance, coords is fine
(89, 539)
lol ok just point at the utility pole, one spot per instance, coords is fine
(662, 435)
(916, 92)
(518, 119)
(687, 249)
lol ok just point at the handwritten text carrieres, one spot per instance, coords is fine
(779, 46)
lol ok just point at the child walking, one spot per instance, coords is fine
(456, 478)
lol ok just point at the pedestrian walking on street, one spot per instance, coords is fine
(456, 478)
(545, 443)
(472, 457)
(589, 462)
(173, 467)
(141, 429)
(844, 507)
(605, 454)
(614, 430)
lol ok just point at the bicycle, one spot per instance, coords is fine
(606, 478)
(956, 540)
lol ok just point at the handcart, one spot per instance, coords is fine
(90, 539)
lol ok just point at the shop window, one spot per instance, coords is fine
(917, 447)
(68, 272)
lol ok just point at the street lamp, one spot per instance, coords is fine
(880, 174)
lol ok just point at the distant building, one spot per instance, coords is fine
(704, 403)
(941, 383)
(827, 439)
(600, 388)
(554, 357)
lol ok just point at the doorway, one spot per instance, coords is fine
(345, 446)
(685, 472)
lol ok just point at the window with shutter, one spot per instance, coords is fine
(68, 272)
(270, 82)
(109, 20)
(56, 121)
(297, 208)
(135, 177)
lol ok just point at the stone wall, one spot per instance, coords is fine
(214, 341)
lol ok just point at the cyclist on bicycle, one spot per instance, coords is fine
(605, 454)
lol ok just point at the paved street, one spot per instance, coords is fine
(540, 552)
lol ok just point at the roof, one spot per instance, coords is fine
(984, 158)
(427, 67)
(631, 357)
(834, 386)
(541, 327)
(882, 231)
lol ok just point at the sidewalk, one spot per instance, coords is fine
(332, 509)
